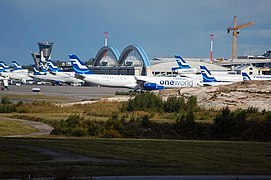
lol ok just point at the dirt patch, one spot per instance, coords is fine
(237, 95)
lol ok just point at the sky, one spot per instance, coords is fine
(163, 28)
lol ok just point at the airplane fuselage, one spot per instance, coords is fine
(126, 81)
(170, 82)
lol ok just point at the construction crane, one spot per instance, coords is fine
(235, 32)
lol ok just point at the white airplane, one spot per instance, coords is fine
(16, 74)
(247, 77)
(184, 67)
(68, 76)
(54, 79)
(82, 72)
(208, 79)
(54, 69)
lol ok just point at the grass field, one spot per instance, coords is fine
(145, 157)
(13, 128)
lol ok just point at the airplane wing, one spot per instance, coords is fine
(140, 84)
(148, 85)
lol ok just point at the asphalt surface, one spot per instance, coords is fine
(43, 129)
(70, 93)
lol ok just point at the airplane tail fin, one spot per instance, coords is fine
(181, 62)
(52, 66)
(36, 72)
(78, 66)
(4, 66)
(245, 76)
(2, 69)
(16, 65)
(43, 68)
(206, 75)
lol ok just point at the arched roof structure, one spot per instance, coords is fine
(139, 50)
(119, 59)
(105, 49)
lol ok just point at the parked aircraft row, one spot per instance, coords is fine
(56, 76)
(188, 77)
(206, 78)
(17, 73)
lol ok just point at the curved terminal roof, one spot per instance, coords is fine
(104, 50)
(139, 50)
(119, 59)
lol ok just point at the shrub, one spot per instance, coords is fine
(70, 127)
(73, 121)
(185, 124)
(114, 123)
(191, 103)
(7, 108)
(5, 100)
(174, 104)
(111, 133)
(146, 102)
(93, 127)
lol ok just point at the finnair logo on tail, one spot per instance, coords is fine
(53, 67)
(77, 63)
(246, 76)
(16, 65)
(1, 69)
(206, 75)
(42, 67)
(205, 70)
(36, 72)
(2, 64)
(78, 66)
(181, 62)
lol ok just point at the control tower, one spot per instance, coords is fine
(36, 57)
(45, 50)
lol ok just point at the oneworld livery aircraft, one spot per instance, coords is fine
(208, 79)
(82, 72)
(184, 67)
(247, 77)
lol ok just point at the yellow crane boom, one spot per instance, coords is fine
(235, 32)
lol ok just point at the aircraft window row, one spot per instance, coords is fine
(110, 77)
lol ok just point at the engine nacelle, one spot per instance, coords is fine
(153, 86)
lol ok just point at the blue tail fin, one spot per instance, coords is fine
(36, 72)
(52, 66)
(206, 75)
(3, 65)
(245, 76)
(2, 69)
(16, 65)
(43, 68)
(181, 62)
(78, 66)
